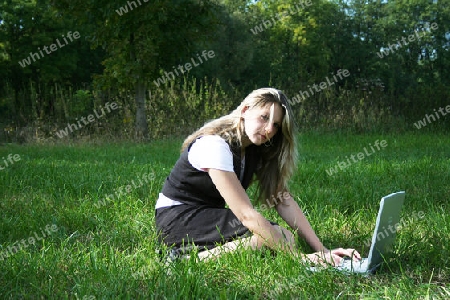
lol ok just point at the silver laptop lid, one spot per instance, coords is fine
(388, 220)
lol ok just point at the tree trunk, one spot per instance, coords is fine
(141, 116)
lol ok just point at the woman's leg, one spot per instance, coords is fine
(243, 243)
(254, 242)
(185, 226)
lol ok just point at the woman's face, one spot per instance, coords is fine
(262, 123)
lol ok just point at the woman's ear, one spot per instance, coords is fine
(244, 110)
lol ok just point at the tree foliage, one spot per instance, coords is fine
(399, 63)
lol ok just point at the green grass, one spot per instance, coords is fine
(107, 250)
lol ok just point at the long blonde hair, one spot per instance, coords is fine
(279, 159)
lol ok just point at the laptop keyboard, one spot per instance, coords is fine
(354, 266)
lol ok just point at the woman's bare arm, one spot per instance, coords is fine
(290, 211)
(238, 201)
(294, 217)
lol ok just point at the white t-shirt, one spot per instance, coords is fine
(208, 152)
(211, 152)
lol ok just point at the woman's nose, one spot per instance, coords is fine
(269, 129)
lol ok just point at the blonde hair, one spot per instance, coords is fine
(279, 159)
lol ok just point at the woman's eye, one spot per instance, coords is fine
(265, 118)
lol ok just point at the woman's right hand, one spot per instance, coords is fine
(332, 257)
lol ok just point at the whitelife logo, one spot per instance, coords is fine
(302, 95)
(187, 66)
(49, 49)
(342, 164)
(124, 9)
(9, 161)
(269, 23)
(25, 243)
(430, 118)
(89, 119)
(384, 233)
(411, 38)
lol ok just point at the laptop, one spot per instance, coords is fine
(383, 237)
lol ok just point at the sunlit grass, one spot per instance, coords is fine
(109, 251)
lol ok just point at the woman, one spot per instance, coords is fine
(217, 164)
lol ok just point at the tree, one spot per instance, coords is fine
(144, 39)
(404, 50)
(39, 48)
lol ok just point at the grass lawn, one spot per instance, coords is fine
(60, 237)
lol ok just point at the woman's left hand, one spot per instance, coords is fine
(341, 252)
(333, 257)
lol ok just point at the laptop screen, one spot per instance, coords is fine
(387, 224)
